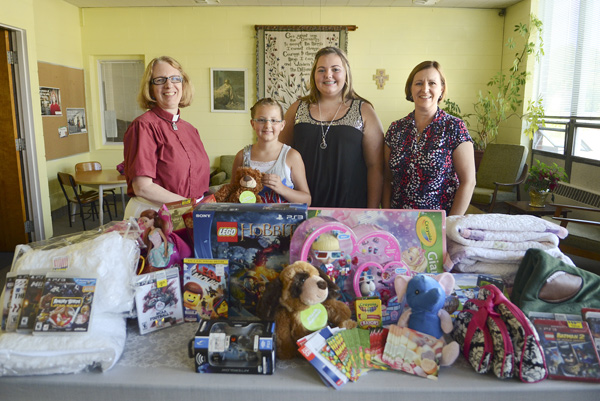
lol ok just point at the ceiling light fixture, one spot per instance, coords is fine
(425, 2)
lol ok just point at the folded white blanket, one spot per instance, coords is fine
(101, 347)
(110, 258)
(501, 227)
(464, 254)
(505, 270)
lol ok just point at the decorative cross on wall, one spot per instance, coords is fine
(380, 78)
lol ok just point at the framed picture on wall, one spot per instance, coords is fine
(76, 121)
(228, 90)
(50, 101)
(285, 55)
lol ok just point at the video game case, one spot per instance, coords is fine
(205, 290)
(158, 300)
(569, 350)
(16, 302)
(33, 295)
(7, 295)
(592, 317)
(65, 305)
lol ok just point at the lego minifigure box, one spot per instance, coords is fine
(234, 346)
(255, 238)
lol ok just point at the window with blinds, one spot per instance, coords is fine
(568, 78)
(119, 87)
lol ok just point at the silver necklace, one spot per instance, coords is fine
(324, 133)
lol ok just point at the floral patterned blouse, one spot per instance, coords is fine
(423, 175)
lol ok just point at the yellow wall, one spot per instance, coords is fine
(58, 41)
(467, 42)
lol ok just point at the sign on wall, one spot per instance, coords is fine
(285, 55)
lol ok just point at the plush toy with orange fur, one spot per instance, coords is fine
(302, 300)
(243, 188)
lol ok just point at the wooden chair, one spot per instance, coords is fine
(88, 199)
(579, 245)
(97, 166)
(500, 173)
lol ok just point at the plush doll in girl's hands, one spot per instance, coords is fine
(425, 296)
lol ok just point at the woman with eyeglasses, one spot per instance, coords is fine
(338, 135)
(281, 166)
(165, 160)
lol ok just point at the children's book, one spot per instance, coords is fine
(65, 305)
(413, 352)
(569, 350)
(311, 350)
(16, 302)
(158, 300)
(377, 341)
(31, 302)
(7, 296)
(205, 289)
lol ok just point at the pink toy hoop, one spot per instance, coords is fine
(319, 225)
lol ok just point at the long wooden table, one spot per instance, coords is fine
(102, 179)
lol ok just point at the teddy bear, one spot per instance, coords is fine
(425, 296)
(301, 300)
(243, 188)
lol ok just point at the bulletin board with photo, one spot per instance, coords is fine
(62, 100)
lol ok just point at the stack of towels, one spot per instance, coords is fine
(496, 243)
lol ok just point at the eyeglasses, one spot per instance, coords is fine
(328, 254)
(263, 121)
(176, 79)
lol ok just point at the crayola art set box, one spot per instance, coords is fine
(421, 234)
(255, 238)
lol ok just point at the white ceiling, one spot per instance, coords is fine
(296, 3)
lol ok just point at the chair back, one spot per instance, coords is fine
(88, 166)
(501, 163)
(66, 180)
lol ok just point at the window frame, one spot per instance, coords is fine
(101, 90)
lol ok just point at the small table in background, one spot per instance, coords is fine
(102, 179)
(523, 208)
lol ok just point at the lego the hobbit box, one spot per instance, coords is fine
(234, 346)
(255, 238)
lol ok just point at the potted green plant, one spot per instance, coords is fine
(503, 98)
(542, 180)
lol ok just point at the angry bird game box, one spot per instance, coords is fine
(255, 238)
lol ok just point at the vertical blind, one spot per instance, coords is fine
(568, 76)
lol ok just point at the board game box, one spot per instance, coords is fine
(569, 350)
(205, 289)
(255, 238)
(66, 305)
(158, 300)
